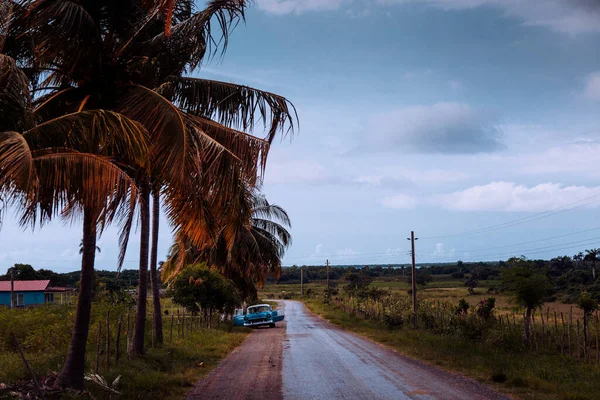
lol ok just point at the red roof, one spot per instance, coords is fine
(25, 286)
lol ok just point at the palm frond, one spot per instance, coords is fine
(169, 141)
(250, 150)
(236, 106)
(16, 166)
(65, 34)
(98, 132)
(15, 98)
(193, 38)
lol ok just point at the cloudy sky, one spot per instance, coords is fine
(474, 123)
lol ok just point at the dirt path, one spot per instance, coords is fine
(308, 358)
(252, 371)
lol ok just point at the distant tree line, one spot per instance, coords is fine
(127, 278)
(567, 276)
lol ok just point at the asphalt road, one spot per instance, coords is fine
(308, 358)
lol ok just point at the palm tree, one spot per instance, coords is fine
(121, 56)
(592, 256)
(98, 250)
(46, 170)
(260, 238)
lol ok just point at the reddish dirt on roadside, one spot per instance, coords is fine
(252, 371)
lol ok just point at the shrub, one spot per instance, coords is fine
(462, 308)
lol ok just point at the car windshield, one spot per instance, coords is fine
(259, 309)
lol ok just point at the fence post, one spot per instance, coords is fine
(108, 340)
(562, 344)
(171, 333)
(533, 330)
(98, 336)
(597, 347)
(569, 330)
(578, 341)
(117, 345)
(555, 329)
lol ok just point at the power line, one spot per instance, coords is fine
(543, 249)
(529, 242)
(523, 220)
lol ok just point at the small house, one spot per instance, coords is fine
(31, 293)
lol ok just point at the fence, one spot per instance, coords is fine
(549, 331)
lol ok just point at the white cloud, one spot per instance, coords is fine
(401, 201)
(439, 128)
(510, 197)
(280, 7)
(592, 86)
(567, 16)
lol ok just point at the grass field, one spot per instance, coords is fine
(166, 372)
(441, 289)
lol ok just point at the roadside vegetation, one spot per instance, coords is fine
(167, 371)
(507, 330)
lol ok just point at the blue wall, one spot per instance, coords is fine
(30, 298)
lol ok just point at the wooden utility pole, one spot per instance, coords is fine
(12, 288)
(327, 267)
(414, 277)
(302, 280)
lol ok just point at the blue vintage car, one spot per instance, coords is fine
(258, 315)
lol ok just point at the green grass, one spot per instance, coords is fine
(166, 372)
(527, 375)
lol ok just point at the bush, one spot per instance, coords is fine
(393, 321)
(462, 308)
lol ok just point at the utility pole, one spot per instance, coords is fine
(302, 280)
(327, 267)
(414, 277)
(12, 288)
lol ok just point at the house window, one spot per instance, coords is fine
(48, 298)
(19, 299)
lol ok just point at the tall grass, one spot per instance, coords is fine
(44, 333)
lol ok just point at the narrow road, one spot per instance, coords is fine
(320, 361)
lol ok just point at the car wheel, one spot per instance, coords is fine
(271, 325)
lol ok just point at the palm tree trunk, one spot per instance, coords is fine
(73, 370)
(157, 322)
(140, 315)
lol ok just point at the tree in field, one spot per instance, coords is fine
(199, 288)
(588, 305)
(131, 57)
(22, 272)
(357, 281)
(592, 256)
(529, 288)
(47, 171)
(259, 238)
(471, 284)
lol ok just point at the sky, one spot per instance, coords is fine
(474, 123)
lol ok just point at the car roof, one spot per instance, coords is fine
(260, 305)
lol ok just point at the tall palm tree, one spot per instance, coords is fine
(120, 56)
(48, 170)
(259, 240)
(592, 256)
